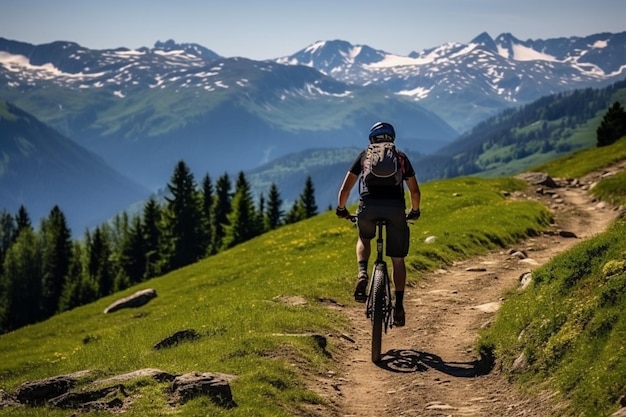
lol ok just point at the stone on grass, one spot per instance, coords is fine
(211, 384)
(135, 300)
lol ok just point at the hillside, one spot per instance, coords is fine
(41, 168)
(274, 317)
(244, 304)
(520, 138)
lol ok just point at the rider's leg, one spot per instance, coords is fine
(399, 282)
(399, 273)
(363, 251)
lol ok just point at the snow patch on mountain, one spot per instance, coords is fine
(524, 53)
(19, 63)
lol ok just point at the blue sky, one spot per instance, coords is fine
(264, 29)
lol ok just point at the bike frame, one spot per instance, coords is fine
(380, 265)
(379, 304)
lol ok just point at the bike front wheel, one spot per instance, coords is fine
(378, 314)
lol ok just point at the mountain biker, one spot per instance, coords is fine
(386, 202)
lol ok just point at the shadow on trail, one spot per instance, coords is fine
(408, 360)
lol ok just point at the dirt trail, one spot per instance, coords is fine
(429, 367)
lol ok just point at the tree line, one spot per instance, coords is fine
(536, 128)
(44, 272)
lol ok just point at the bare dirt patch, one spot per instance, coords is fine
(429, 367)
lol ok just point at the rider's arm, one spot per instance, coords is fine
(344, 192)
(414, 190)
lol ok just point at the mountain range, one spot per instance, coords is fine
(143, 110)
(465, 83)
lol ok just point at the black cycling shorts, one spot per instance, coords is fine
(397, 234)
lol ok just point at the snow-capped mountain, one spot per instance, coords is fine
(463, 83)
(69, 65)
(144, 110)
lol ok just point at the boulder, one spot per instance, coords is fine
(72, 392)
(132, 301)
(176, 338)
(42, 390)
(538, 178)
(7, 400)
(98, 399)
(213, 385)
(156, 374)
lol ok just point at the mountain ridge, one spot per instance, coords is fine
(504, 70)
(41, 168)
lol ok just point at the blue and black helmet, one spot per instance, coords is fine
(382, 132)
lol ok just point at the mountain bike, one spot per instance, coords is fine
(379, 304)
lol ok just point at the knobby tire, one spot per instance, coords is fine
(378, 314)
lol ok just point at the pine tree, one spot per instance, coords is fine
(296, 213)
(57, 253)
(261, 220)
(22, 220)
(98, 263)
(118, 229)
(183, 219)
(69, 295)
(613, 125)
(274, 216)
(221, 209)
(152, 237)
(132, 258)
(20, 283)
(207, 221)
(8, 233)
(305, 206)
(79, 289)
(242, 220)
(307, 199)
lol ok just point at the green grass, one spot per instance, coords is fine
(570, 323)
(466, 217)
(585, 161)
(234, 301)
(611, 189)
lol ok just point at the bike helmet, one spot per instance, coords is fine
(382, 132)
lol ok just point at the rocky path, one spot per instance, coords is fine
(429, 367)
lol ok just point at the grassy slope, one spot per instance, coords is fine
(571, 323)
(233, 301)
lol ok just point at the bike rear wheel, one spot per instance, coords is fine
(378, 314)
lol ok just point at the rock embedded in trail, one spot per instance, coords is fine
(538, 178)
